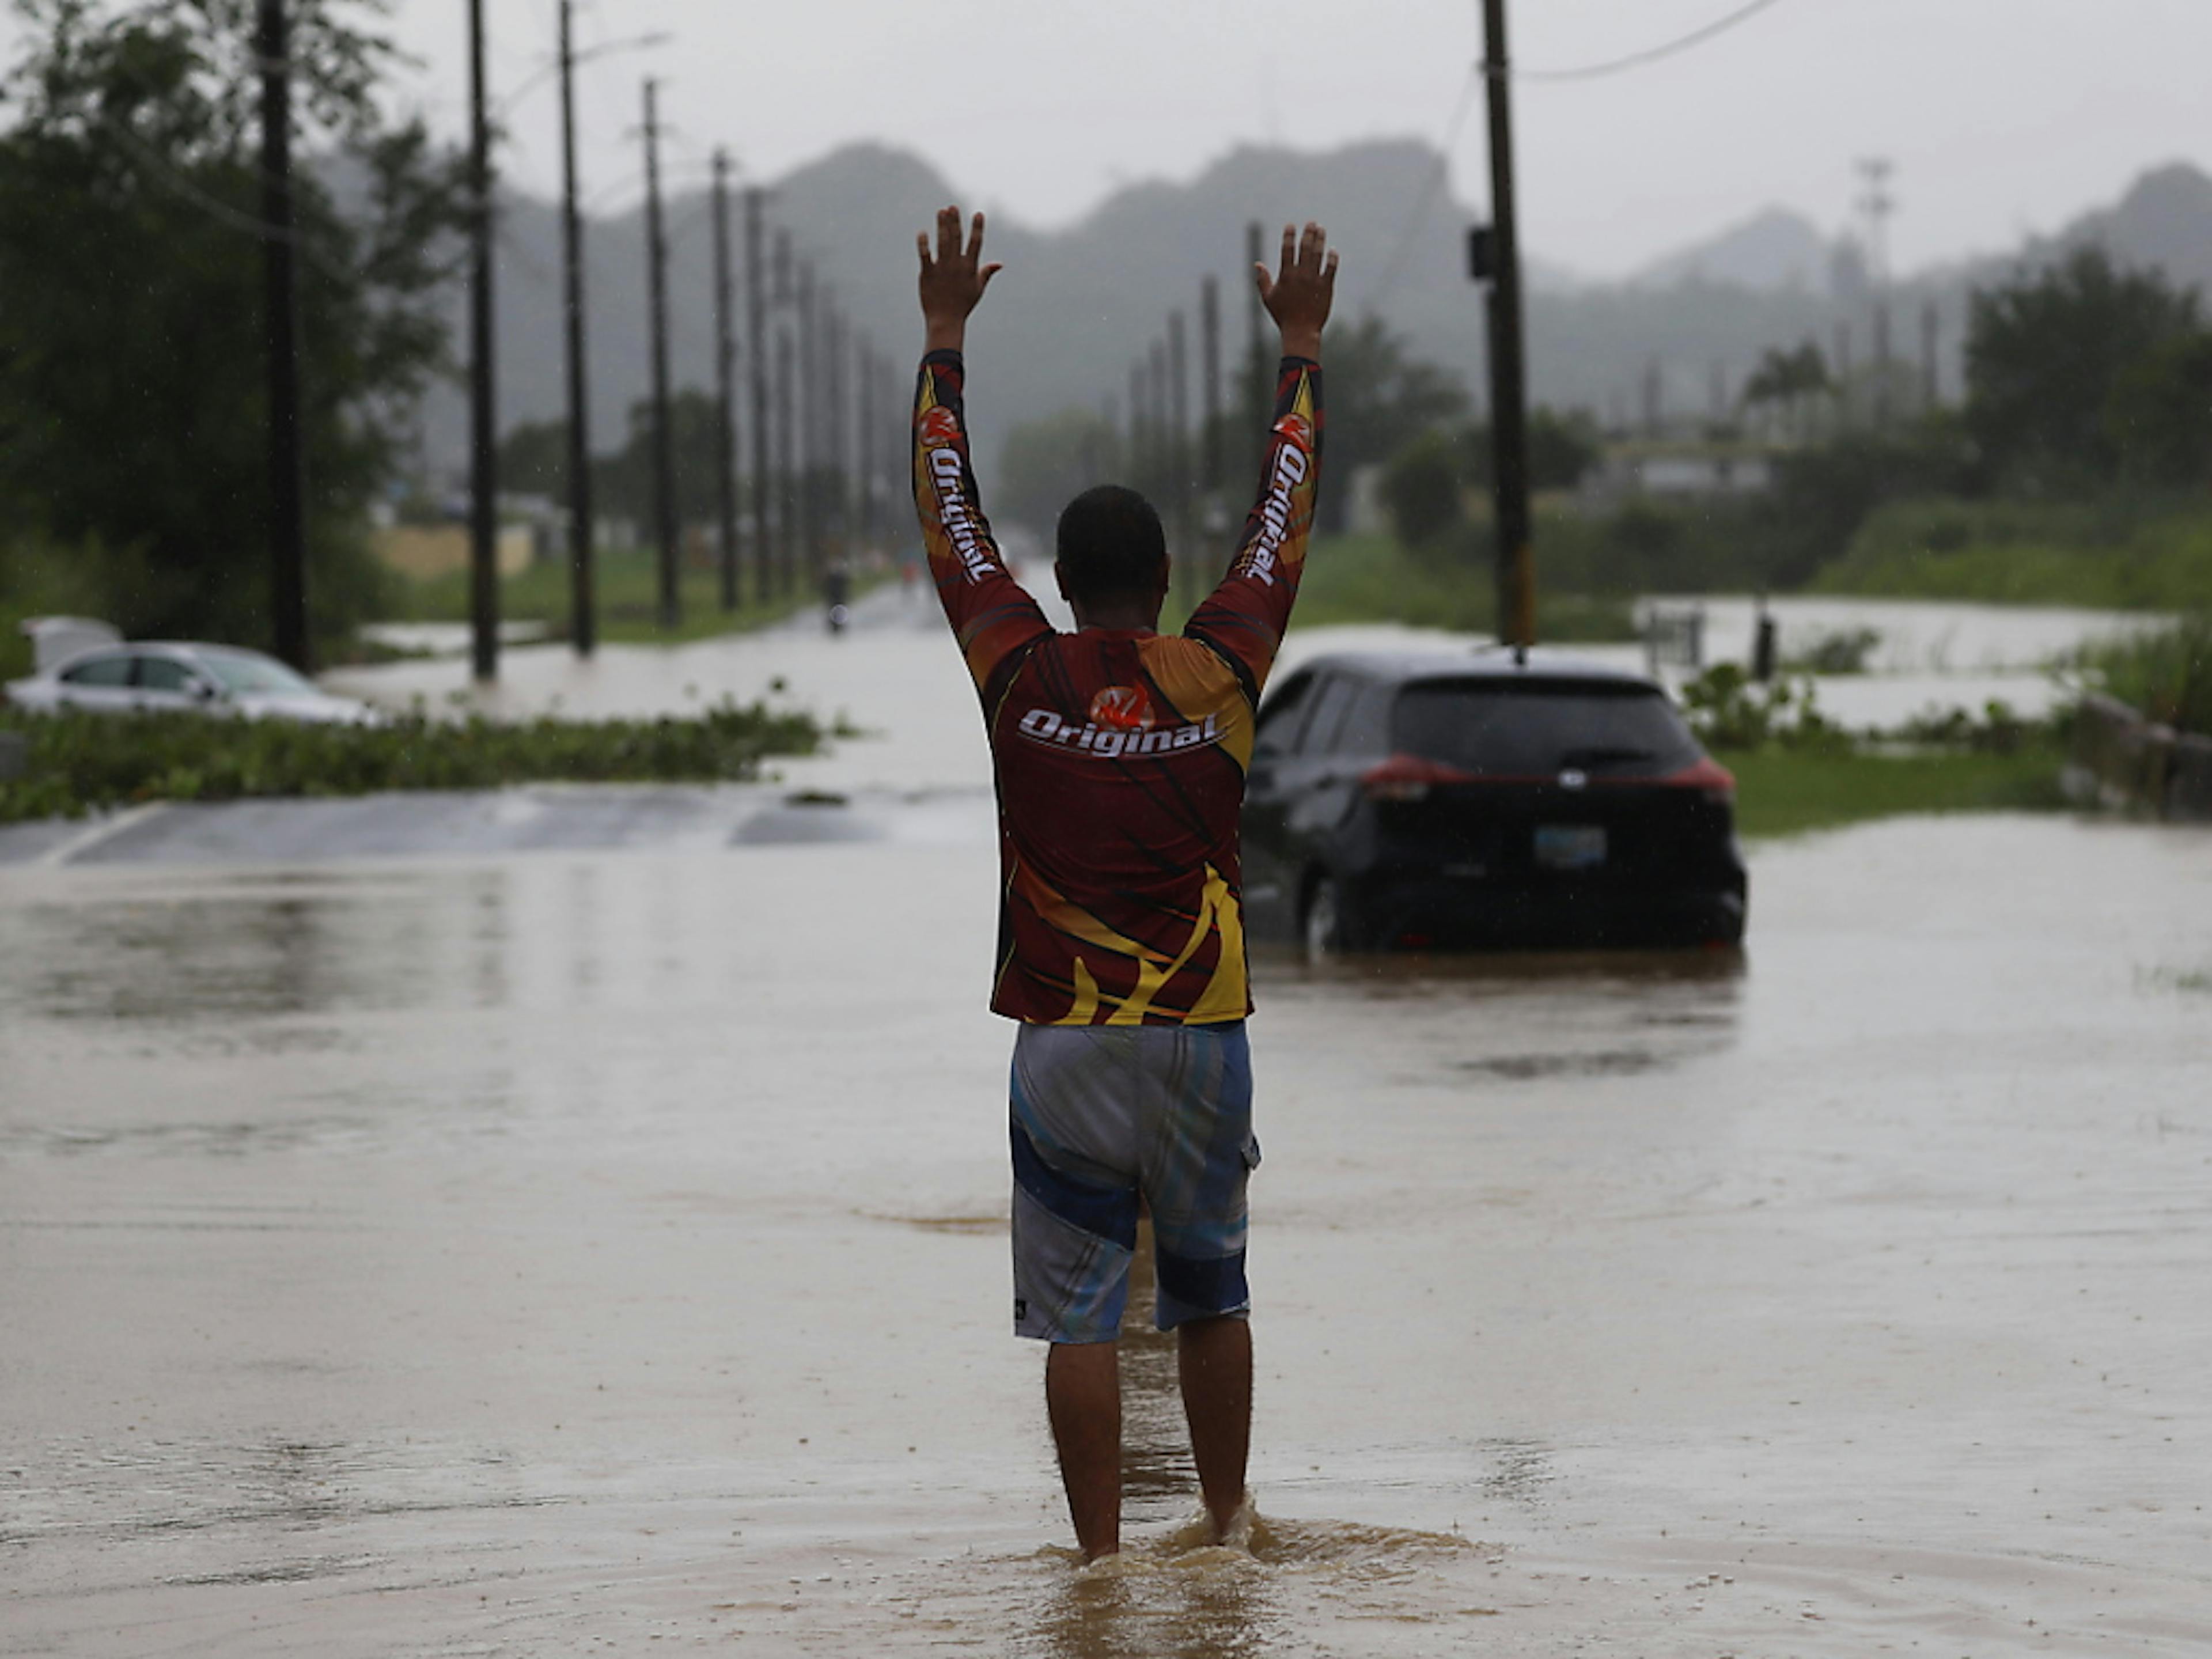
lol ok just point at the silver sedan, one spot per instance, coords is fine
(154, 676)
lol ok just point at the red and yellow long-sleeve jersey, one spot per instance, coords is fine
(1120, 754)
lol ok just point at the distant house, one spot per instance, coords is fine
(1676, 471)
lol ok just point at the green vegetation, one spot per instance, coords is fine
(2167, 675)
(2115, 554)
(2082, 376)
(1374, 578)
(1787, 791)
(80, 763)
(1797, 770)
(133, 407)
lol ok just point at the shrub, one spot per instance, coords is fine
(82, 762)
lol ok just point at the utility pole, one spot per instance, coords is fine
(864, 463)
(1260, 369)
(786, 518)
(288, 490)
(757, 377)
(836, 388)
(807, 426)
(725, 384)
(664, 447)
(583, 625)
(483, 429)
(1139, 462)
(1496, 255)
(1931, 386)
(1875, 204)
(1209, 329)
(1179, 456)
(1161, 441)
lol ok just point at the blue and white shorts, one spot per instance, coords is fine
(1100, 1115)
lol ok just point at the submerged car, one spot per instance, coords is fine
(152, 677)
(1492, 799)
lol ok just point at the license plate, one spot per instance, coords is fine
(1569, 845)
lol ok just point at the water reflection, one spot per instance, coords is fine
(262, 946)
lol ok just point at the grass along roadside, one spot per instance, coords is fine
(80, 763)
(1787, 792)
(1374, 578)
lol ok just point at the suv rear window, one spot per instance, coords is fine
(1536, 728)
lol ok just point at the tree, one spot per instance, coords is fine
(534, 459)
(624, 484)
(1046, 463)
(1562, 449)
(132, 367)
(1420, 489)
(2159, 417)
(2044, 355)
(1378, 399)
(1786, 381)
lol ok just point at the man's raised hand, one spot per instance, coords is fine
(953, 281)
(1299, 295)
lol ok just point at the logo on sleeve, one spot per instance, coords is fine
(1122, 709)
(941, 425)
(1296, 430)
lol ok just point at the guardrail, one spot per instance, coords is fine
(2123, 761)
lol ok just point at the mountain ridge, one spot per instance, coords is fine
(1077, 305)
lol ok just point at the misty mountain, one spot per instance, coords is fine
(1076, 307)
(2163, 220)
(1775, 248)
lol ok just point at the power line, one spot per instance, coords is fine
(1418, 218)
(1414, 220)
(1650, 55)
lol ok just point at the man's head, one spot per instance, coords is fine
(1111, 554)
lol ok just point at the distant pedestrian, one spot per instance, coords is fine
(1119, 756)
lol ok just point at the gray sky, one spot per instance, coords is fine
(2003, 116)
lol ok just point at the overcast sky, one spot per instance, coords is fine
(2003, 116)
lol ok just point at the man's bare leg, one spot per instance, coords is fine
(1083, 1396)
(1214, 1360)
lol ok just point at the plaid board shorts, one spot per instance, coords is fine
(1101, 1113)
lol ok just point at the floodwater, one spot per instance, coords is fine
(603, 1251)
(894, 671)
(566, 1220)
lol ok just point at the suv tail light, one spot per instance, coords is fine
(1708, 778)
(1408, 777)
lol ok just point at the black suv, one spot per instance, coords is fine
(1490, 798)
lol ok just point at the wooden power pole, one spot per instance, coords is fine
(664, 437)
(725, 386)
(287, 491)
(756, 384)
(583, 603)
(1500, 253)
(484, 427)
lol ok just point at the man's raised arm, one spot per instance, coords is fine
(992, 617)
(1244, 617)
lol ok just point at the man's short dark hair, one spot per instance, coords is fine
(1110, 545)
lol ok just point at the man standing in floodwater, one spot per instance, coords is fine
(1119, 756)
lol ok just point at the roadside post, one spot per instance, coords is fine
(1494, 260)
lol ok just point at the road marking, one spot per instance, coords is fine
(106, 830)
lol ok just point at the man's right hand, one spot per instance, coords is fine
(952, 283)
(1299, 295)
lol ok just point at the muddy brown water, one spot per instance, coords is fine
(605, 1252)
